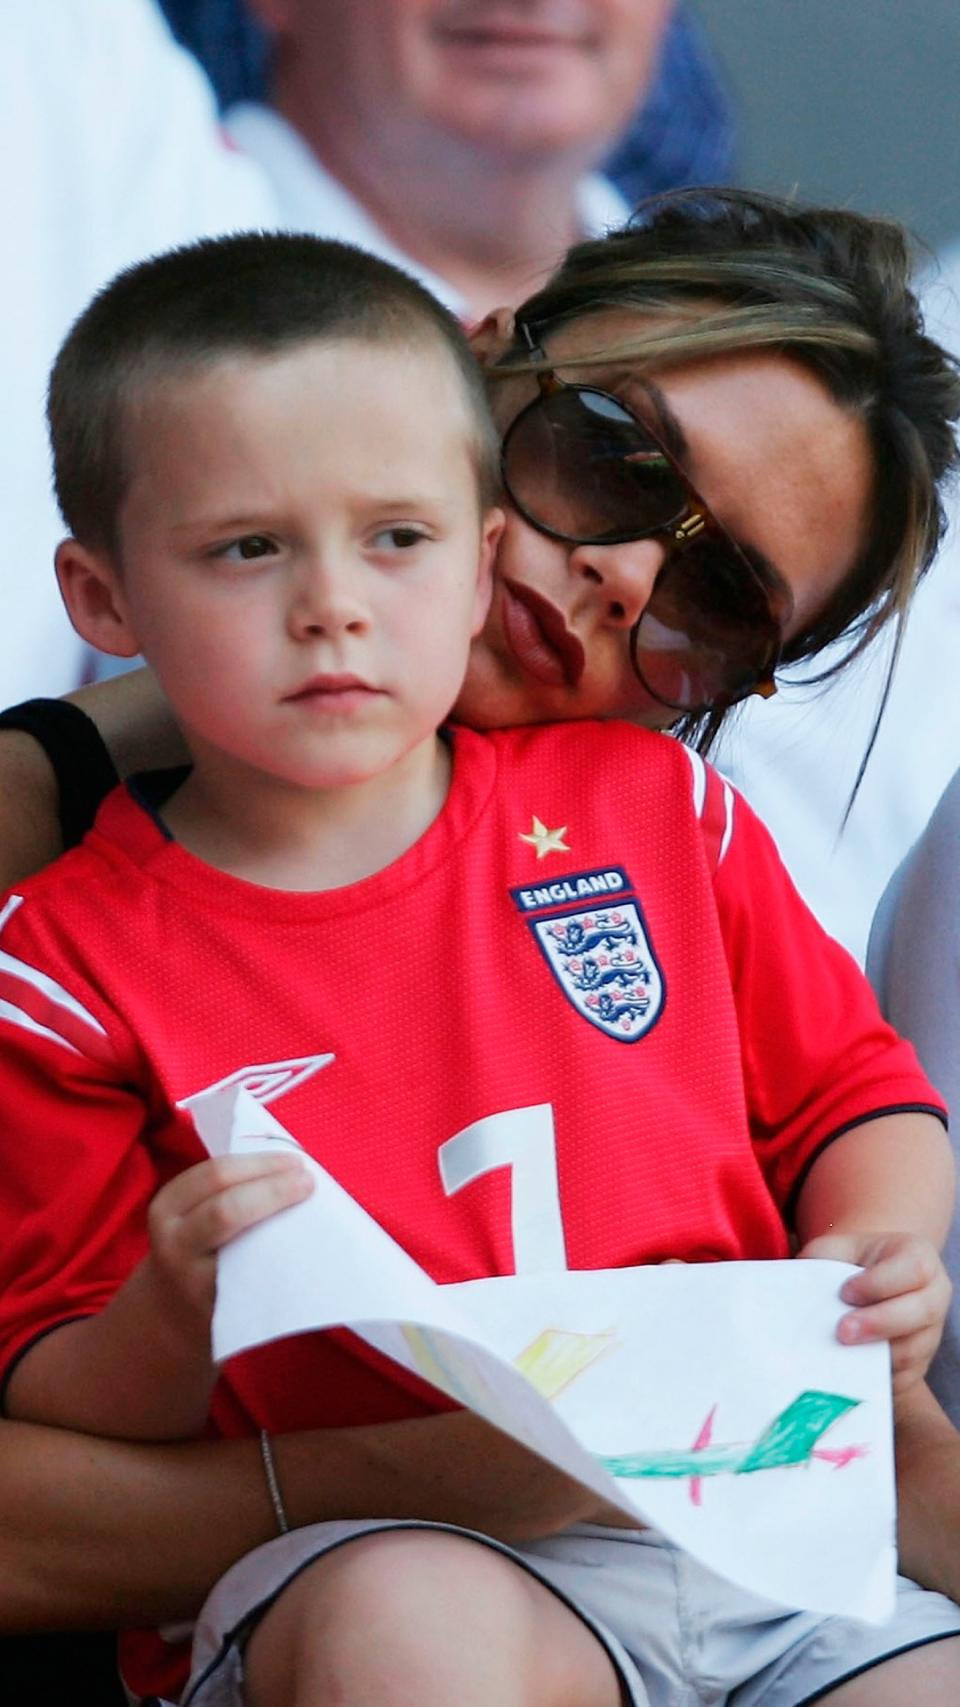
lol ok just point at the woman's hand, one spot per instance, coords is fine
(901, 1296)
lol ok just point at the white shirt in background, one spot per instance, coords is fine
(109, 150)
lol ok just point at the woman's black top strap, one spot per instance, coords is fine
(84, 770)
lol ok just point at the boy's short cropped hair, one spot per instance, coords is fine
(257, 294)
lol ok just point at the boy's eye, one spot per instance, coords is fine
(250, 546)
(399, 538)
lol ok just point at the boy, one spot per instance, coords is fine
(278, 471)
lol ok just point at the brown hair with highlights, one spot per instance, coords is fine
(831, 290)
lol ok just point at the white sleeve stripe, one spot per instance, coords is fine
(699, 770)
(54, 992)
(728, 808)
(12, 903)
(16, 1016)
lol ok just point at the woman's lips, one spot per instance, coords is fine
(538, 637)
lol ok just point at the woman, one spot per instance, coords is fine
(778, 358)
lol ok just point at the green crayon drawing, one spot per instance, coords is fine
(557, 1357)
(790, 1439)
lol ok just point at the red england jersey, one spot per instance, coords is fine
(595, 925)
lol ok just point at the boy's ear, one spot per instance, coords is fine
(493, 525)
(92, 592)
(492, 335)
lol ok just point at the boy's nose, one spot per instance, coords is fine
(622, 576)
(324, 600)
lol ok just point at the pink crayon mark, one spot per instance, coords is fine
(840, 1456)
(703, 1439)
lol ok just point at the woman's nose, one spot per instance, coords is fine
(325, 599)
(622, 576)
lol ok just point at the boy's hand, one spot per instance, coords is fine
(901, 1296)
(207, 1206)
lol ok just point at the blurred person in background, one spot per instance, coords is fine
(458, 138)
(683, 132)
(109, 150)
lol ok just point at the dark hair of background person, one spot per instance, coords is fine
(257, 294)
(683, 134)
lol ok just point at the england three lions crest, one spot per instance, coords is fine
(600, 953)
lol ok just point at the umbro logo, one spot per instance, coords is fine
(268, 1080)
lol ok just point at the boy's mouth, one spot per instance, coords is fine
(538, 636)
(338, 692)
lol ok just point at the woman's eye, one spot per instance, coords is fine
(398, 538)
(243, 550)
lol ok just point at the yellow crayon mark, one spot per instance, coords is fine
(556, 1358)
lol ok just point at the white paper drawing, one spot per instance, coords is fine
(712, 1401)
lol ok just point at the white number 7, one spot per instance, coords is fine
(521, 1139)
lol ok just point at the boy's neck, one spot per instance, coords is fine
(267, 831)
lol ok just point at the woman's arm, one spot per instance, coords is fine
(30, 834)
(98, 1534)
(132, 719)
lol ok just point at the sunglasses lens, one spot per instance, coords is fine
(708, 634)
(580, 466)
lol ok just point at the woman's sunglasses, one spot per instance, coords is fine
(581, 468)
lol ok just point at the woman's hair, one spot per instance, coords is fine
(735, 271)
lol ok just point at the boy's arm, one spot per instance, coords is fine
(893, 1171)
(881, 1195)
(142, 1369)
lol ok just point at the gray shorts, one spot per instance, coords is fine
(678, 1635)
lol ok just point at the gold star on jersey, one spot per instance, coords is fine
(545, 841)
